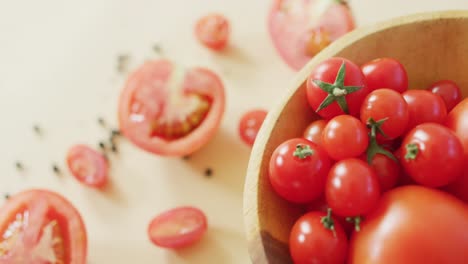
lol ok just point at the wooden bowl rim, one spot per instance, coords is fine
(251, 202)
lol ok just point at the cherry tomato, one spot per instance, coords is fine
(432, 155)
(318, 238)
(386, 73)
(300, 29)
(352, 188)
(388, 105)
(177, 228)
(320, 205)
(410, 225)
(213, 31)
(169, 111)
(345, 137)
(298, 169)
(88, 166)
(250, 124)
(424, 107)
(39, 226)
(404, 179)
(449, 91)
(387, 170)
(313, 132)
(336, 86)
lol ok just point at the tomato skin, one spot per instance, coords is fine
(296, 179)
(385, 73)
(345, 137)
(320, 205)
(67, 216)
(199, 81)
(326, 71)
(424, 107)
(213, 31)
(413, 224)
(311, 242)
(449, 91)
(390, 105)
(250, 124)
(314, 130)
(352, 188)
(438, 160)
(88, 166)
(387, 170)
(178, 228)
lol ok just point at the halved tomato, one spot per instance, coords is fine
(301, 28)
(168, 110)
(88, 166)
(39, 226)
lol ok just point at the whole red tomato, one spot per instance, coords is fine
(432, 155)
(317, 238)
(410, 225)
(388, 171)
(336, 86)
(388, 105)
(298, 169)
(385, 73)
(448, 91)
(352, 188)
(423, 107)
(345, 137)
(314, 130)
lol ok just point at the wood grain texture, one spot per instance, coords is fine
(431, 46)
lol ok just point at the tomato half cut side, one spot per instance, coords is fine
(213, 31)
(88, 166)
(301, 28)
(167, 110)
(39, 226)
(177, 228)
(250, 124)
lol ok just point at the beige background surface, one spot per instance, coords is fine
(57, 69)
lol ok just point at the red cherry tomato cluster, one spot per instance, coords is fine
(375, 135)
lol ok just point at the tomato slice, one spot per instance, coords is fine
(177, 228)
(88, 166)
(171, 111)
(301, 28)
(41, 227)
(213, 31)
(250, 124)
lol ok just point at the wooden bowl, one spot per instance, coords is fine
(432, 46)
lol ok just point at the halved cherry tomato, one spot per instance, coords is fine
(336, 86)
(313, 132)
(178, 228)
(250, 124)
(166, 110)
(301, 28)
(88, 166)
(345, 137)
(39, 226)
(389, 106)
(386, 73)
(352, 188)
(213, 31)
(423, 107)
(449, 91)
(298, 169)
(318, 238)
(432, 155)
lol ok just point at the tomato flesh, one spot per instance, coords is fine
(38, 226)
(250, 124)
(213, 31)
(177, 228)
(167, 110)
(302, 28)
(88, 166)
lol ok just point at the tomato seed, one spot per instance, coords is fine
(19, 165)
(37, 129)
(115, 133)
(102, 145)
(186, 157)
(208, 172)
(6, 196)
(56, 169)
(101, 121)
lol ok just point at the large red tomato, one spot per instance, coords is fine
(39, 226)
(336, 86)
(301, 28)
(410, 225)
(170, 111)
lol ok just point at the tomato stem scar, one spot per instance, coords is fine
(412, 151)
(327, 221)
(303, 151)
(357, 222)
